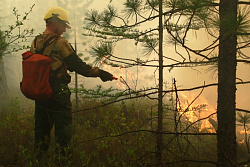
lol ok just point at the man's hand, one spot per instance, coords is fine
(105, 76)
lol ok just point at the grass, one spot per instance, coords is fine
(102, 137)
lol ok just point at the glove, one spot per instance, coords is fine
(105, 76)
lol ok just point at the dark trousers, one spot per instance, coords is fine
(48, 114)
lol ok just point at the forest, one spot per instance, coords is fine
(182, 94)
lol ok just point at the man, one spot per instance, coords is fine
(57, 110)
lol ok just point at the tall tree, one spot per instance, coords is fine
(227, 153)
(160, 90)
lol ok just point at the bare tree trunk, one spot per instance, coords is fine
(227, 153)
(160, 97)
(4, 91)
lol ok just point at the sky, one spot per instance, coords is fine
(137, 77)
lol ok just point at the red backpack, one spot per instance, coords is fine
(36, 68)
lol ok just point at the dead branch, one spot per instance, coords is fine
(149, 131)
(143, 93)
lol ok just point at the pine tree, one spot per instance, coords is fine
(221, 21)
(113, 28)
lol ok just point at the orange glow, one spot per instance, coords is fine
(241, 142)
(199, 109)
(243, 132)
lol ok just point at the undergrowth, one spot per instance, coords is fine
(115, 135)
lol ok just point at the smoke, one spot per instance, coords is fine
(136, 77)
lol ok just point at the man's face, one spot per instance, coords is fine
(61, 27)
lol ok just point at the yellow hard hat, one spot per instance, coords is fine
(59, 13)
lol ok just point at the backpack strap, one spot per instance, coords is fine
(46, 43)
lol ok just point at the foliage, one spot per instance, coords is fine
(243, 118)
(16, 134)
(98, 92)
(132, 23)
(103, 50)
(115, 135)
(181, 18)
(14, 36)
(243, 22)
(3, 44)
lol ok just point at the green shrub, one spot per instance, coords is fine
(113, 135)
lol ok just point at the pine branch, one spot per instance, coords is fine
(242, 110)
(240, 3)
(144, 93)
